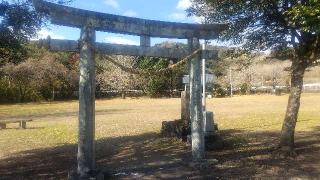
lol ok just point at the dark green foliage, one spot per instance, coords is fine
(305, 16)
(218, 91)
(160, 83)
(244, 89)
(155, 84)
(156, 87)
(19, 22)
(41, 77)
(265, 24)
(164, 83)
(282, 53)
(20, 19)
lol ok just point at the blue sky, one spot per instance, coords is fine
(165, 10)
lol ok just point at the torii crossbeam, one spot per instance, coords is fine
(89, 22)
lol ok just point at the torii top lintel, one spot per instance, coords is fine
(73, 17)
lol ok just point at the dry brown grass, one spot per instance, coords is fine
(56, 123)
(132, 124)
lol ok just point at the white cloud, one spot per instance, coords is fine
(44, 33)
(120, 40)
(184, 4)
(197, 19)
(178, 16)
(112, 3)
(182, 17)
(130, 13)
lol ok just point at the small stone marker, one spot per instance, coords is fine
(185, 104)
(213, 141)
(208, 127)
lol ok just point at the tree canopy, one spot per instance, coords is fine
(305, 16)
(272, 24)
(264, 24)
(19, 22)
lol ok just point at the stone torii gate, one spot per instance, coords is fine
(89, 22)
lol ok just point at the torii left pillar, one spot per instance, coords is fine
(86, 135)
(196, 113)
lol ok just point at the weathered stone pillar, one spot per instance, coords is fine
(86, 144)
(204, 80)
(196, 114)
(208, 127)
(145, 41)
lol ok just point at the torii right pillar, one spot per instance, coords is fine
(196, 113)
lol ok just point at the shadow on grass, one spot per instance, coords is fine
(247, 155)
(250, 155)
(145, 155)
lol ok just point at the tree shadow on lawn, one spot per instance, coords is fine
(145, 155)
(247, 155)
(251, 155)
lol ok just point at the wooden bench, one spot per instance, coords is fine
(22, 123)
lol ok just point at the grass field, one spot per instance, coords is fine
(127, 136)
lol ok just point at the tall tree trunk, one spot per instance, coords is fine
(290, 120)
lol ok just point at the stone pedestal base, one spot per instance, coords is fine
(95, 175)
(203, 164)
(213, 142)
(175, 128)
(212, 139)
